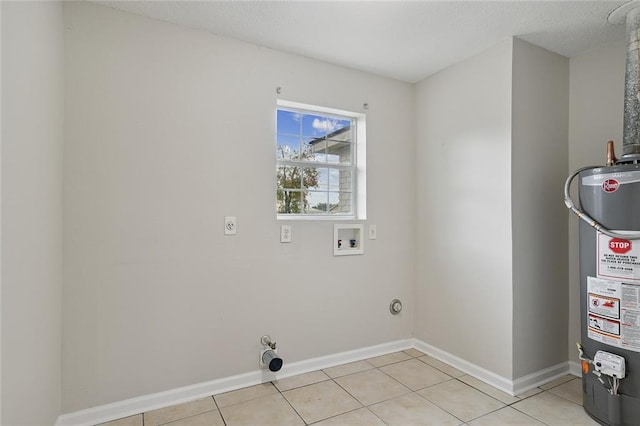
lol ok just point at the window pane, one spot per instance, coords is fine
(287, 147)
(341, 202)
(289, 202)
(318, 125)
(315, 149)
(314, 125)
(316, 202)
(312, 149)
(341, 135)
(323, 178)
(339, 152)
(340, 180)
(288, 122)
(334, 180)
(288, 177)
(311, 177)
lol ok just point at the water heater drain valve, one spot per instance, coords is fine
(609, 364)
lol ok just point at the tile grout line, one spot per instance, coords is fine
(291, 405)
(224, 422)
(536, 419)
(442, 408)
(409, 391)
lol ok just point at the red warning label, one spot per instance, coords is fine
(605, 306)
(604, 325)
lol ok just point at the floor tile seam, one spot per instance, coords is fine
(502, 408)
(485, 393)
(240, 403)
(559, 384)
(374, 368)
(294, 408)
(526, 397)
(560, 396)
(441, 370)
(175, 420)
(449, 412)
(224, 422)
(393, 378)
(214, 401)
(350, 394)
(187, 417)
(390, 363)
(338, 415)
(430, 386)
(387, 399)
(246, 400)
(488, 394)
(376, 415)
(303, 386)
(529, 415)
(349, 374)
(442, 408)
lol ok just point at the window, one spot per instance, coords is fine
(317, 153)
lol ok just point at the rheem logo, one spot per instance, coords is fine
(610, 185)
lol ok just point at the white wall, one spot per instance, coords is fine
(539, 158)
(32, 134)
(491, 160)
(596, 115)
(155, 297)
(463, 291)
(168, 131)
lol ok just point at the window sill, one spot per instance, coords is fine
(317, 217)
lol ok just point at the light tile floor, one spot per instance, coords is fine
(402, 388)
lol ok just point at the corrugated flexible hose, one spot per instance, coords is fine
(582, 215)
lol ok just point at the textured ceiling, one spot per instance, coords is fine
(405, 40)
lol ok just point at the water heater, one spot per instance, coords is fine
(610, 293)
(609, 209)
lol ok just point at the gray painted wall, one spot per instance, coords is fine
(463, 291)
(491, 160)
(32, 135)
(539, 158)
(168, 131)
(153, 286)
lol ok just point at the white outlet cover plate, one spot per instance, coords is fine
(285, 234)
(373, 232)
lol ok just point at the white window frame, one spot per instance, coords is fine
(359, 176)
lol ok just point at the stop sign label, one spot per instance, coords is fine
(618, 259)
(620, 246)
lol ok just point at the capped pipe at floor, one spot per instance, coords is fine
(268, 356)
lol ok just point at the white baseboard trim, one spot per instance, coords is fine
(474, 370)
(511, 387)
(538, 378)
(129, 407)
(141, 404)
(575, 368)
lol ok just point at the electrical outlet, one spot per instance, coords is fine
(373, 232)
(285, 234)
(230, 227)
